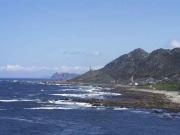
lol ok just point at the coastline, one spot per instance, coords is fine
(133, 97)
(174, 96)
(151, 99)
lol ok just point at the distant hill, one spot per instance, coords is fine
(139, 64)
(63, 76)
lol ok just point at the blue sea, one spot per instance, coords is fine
(33, 107)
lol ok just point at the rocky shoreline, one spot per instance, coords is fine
(148, 100)
(135, 98)
(131, 97)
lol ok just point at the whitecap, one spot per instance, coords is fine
(3, 109)
(107, 88)
(57, 84)
(89, 95)
(18, 119)
(140, 111)
(70, 103)
(120, 108)
(50, 108)
(81, 89)
(41, 83)
(14, 81)
(17, 100)
(70, 95)
(110, 94)
(91, 90)
(69, 90)
(100, 108)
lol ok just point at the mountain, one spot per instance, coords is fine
(139, 64)
(63, 76)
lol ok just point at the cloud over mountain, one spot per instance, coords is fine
(175, 44)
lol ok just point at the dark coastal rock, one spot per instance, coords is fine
(161, 64)
(158, 111)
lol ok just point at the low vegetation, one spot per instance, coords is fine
(174, 86)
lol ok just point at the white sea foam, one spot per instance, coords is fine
(79, 89)
(91, 90)
(107, 88)
(141, 111)
(86, 87)
(57, 84)
(14, 81)
(21, 119)
(18, 100)
(74, 107)
(69, 90)
(63, 105)
(42, 83)
(120, 108)
(61, 84)
(70, 95)
(3, 109)
(100, 108)
(18, 119)
(70, 103)
(111, 94)
(89, 95)
(13, 100)
(83, 89)
(50, 108)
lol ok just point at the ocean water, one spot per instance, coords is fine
(31, 107)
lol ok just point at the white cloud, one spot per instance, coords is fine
(30, 69)
(18, 68)
(81, 52)
(175, 44)
(96, 53)
(12, 68)
(77, 69)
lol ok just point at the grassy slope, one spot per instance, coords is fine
(174, 86)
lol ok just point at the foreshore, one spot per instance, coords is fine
(152, 99)
(141, 98)
(173, 96)
(134, 97)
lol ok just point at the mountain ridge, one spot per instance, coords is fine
(158, 65)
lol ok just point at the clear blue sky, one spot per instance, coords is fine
(39, 37)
